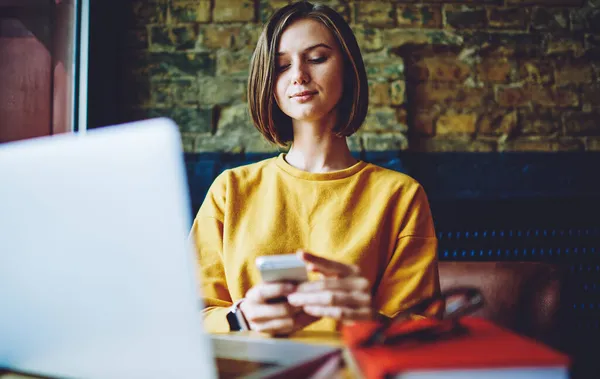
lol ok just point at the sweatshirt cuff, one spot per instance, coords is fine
(215, 319)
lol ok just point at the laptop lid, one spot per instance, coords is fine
(96, 275)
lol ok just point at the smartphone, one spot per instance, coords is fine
(282, 268)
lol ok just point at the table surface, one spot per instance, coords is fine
(321, 338)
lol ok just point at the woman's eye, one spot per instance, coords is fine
(282, 67)
(318, 60)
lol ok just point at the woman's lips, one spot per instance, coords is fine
(304, 96)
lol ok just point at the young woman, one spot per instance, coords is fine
(365, 232)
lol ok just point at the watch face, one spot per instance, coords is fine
(234, 325)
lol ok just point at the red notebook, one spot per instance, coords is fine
(485, 351)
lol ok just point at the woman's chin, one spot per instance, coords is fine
(309, 115)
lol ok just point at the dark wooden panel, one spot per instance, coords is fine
(25, 74)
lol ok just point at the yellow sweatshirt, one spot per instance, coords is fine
(367, 215)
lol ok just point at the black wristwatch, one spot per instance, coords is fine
(236, 318)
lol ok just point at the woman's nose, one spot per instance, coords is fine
(299, 74)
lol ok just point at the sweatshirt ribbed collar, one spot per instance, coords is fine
(318, 176)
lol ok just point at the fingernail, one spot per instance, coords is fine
(292, 299)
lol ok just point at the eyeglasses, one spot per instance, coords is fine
(451, 304)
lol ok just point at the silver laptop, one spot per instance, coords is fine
(97, 279)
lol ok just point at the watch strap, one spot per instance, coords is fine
(235, 317)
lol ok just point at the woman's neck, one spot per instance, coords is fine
(317, 149)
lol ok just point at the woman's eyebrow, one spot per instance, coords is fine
(308, 48)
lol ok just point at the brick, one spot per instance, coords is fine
(456, 123)
(549, 19)
(398, 92)
(566, 3)
(368, 38)
(562, 97)
(354, 143)
(234, 121)
(184, 11)
(573, 72)
(402, 115)
(378, 13)
(384, 141)
(593, 3)
(582, 123)
(498, 122)
(592, 46)
(252, 142)
(443, 68)
(221, 144)
(343, 7)
(446, 145)
(172, 38)
(590, 96)
(233, 63)
(448, 94)
(174, 92)
(266, 8)
(511, 97)
(142, 12)
(569, 144)
(221, 90)
(596, 68)
(379, 93)
(465, 17)
(578, 18)
(526, 145)
(427, 16)
(495, 70)
(424, 123)
(593, 21)
(536, 71)
(562, 45)
(508, 18)
(217, 36)
(380, 66)
(506, 44)
(256, 143)
(585, 19)
(541, 145)
(188, 142)
(189, 119)
(246, 37)
(592, 144)
(233, 11)
(539, 122)
(400, 37)
(177, 65)
(382, 119)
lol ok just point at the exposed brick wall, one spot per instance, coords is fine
(471, 75)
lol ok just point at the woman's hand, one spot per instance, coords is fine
(275, 318)
(341, 294)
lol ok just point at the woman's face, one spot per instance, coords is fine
(310, 71)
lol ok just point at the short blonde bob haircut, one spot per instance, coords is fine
(276, 126)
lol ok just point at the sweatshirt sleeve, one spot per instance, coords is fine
(412, 272)
(207, 237)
